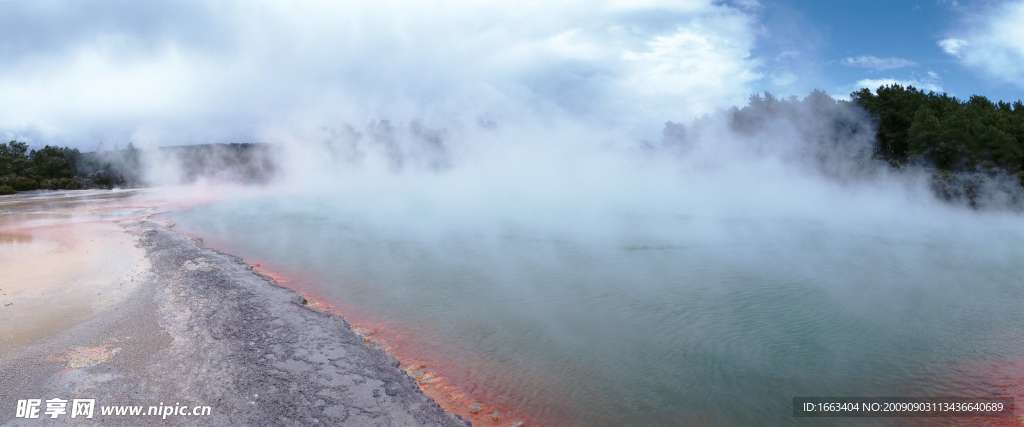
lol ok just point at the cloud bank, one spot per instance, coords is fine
(166, 72)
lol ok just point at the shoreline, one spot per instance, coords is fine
(451, 395)
(203, 327)
(288, 302)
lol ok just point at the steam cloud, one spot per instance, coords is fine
(484, 105)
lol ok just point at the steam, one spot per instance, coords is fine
(517, 214)
(456, 132)
(807, 160)
(505, 110)
(507, 239)
(770, 163)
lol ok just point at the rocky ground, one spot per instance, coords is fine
(202, 328)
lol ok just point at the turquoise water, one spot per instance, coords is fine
(667, 319)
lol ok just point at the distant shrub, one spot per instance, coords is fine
(6, 189)
(59, 184)
(19, 183)
(24, 183)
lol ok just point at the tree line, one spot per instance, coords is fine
(965, 143)
(62, 168)
(969, 144)
(915, 127)
(972, 150)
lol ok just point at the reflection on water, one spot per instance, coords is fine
(62, 259)
(44, 208)
(707, 321)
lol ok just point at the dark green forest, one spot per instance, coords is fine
(914, 127)
(968, 144)
(62, 168)
(973, 150)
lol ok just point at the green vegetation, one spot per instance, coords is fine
(53, 168)
(969, 144)
(973, 150)
(943, 131)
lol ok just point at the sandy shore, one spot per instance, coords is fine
(102, 304)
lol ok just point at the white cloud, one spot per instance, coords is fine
(952, 46)
(992, 43)
(687, 64)
(84, 70)
(877, 63)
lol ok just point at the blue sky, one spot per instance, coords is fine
(94, 72)
(841, 43)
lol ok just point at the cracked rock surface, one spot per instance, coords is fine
(204, 329)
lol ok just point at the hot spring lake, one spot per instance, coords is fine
(665, 319)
